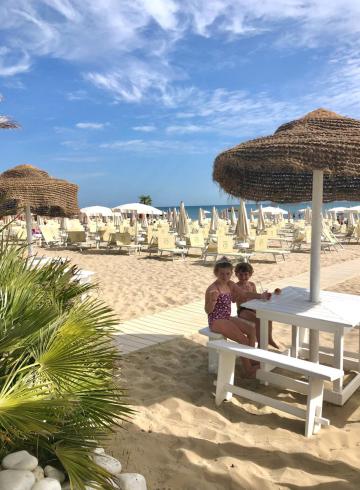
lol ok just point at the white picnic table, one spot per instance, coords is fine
(337, 313)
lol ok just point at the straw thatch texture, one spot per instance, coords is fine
(46, 195)
(279, 167)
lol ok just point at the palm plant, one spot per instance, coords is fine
(145, 199)
(58, 393)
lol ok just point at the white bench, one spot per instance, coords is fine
(316, 374)
(213, 358)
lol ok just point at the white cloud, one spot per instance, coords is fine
(77, 95)
(157, 146)
(90, 125)
(186, 128)
(146, 129)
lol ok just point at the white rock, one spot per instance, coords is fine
(52, 472)
(109, 463)
(38, 472)
(47, 484)
(99, 450)
(16, 480)
(131, 481)
(21, 460)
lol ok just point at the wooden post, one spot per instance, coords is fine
(28, 228)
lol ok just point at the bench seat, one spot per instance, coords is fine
(316, 374)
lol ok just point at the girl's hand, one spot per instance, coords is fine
(266, 295)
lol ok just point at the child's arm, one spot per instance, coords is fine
(211, 297)
(241, 296)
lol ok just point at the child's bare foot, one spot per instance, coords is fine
(273, 343)
(251, 373)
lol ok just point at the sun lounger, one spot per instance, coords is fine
(317, 374)
(224, 247)
(261, 247)
(124, 241)
(166, 244)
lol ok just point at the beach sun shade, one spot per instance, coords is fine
(96, 211)
(182, 225)
(201, 217)
(138, 208)
(27, 187)
(316, 157)
(242, 231)
(261, 220)
(232, 216)
(214, 220)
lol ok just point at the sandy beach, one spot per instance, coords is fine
(178, 439)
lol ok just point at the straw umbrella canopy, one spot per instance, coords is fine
(27, 187)
(316, 157)
(242, 231)
(182, 225)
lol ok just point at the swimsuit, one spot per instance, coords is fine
(222, 309)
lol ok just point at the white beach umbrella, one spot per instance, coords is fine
(96, 211)
(242, 231)
(133, 219)
(144, 221)
(182, 226)
(261, 221)
(138, 208)
(214, 220)
(201, 217)
(232, 216)
(252, 216)
(174, 219)
(351, 220)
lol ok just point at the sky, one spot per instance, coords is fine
(131, 97)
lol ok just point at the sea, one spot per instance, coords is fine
(193, 211)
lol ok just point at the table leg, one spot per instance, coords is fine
(339, 358)
(264, 340)
(294, 341)
(314, 345)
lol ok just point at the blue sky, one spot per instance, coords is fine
(126, 97)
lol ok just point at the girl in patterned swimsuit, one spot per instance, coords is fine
(218, 298)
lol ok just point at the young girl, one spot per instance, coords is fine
(243, 272)
(218, 298)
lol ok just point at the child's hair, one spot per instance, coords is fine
(223, 263)
(244, 267)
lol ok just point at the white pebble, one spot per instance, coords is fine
(21, 460)
(109, 463)
(131, 481)
(99, 450)
(16, 480)
(52, 472)
(38, 472)
(47, 484)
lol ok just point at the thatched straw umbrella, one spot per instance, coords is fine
(27, 187)
(315, 157)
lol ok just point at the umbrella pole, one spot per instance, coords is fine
(316, 230)
(28, 228)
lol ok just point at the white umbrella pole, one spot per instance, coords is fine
(28, 228)
(316, 229)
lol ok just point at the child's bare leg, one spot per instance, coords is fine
(247, 329)
(232, 331)
(250, 316)
(271, 340)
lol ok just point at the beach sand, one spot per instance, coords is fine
(178, 438)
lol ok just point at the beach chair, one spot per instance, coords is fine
(78, 240)
(49, 237)
(166, 243)
(261, 247)
(329, 242)
(224, 247)
(196, 242)
(124, 241)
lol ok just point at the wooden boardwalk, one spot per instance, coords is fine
(148, 330)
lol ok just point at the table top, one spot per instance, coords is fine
(335, 309)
